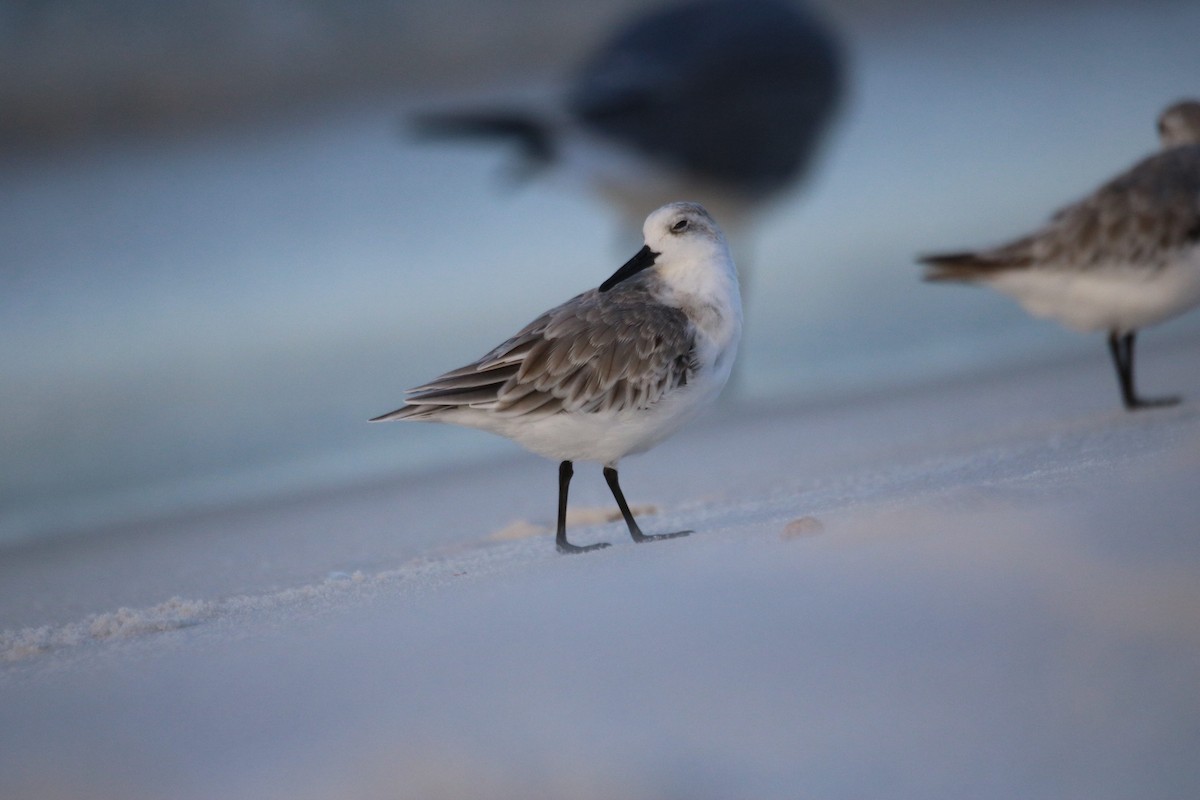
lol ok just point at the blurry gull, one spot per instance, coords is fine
(1124, 257)
(723, 101)
(613, 371)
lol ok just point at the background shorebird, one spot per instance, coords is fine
(720, 101)
(1124, 257)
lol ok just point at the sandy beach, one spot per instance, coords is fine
(986, 587)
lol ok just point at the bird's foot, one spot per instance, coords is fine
(567, 547)
(653, 537)
(1140, 403)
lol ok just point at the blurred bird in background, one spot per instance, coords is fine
(722, 102)
(1124, 257)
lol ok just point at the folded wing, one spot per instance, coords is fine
(595, 353)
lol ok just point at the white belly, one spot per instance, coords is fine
(1119, 298)
(606, 437)
(603, 437)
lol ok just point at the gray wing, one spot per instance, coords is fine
(1144, 216)
(596, 352)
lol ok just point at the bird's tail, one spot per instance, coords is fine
(963, 267)
(530, 135)
(415, 412)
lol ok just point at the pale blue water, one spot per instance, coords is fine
(195, 321)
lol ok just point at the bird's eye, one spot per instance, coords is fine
(679, 227)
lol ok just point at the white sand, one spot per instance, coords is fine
(996, 596)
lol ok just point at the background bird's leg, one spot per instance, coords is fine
(1121, 348)
(1116, 348)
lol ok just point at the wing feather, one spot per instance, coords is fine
(1143, 216)
(597, 352)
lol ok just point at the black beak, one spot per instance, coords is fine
(644, 258)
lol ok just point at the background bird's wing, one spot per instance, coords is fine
(693, 84)
(1143, 216)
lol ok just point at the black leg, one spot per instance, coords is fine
(610, 475)
(1121, 349)
(1116, 348)
(565, 471)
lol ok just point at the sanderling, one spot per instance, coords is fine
(723, 101)
(1124, 257)
(613, 371)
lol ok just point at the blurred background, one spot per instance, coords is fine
(222, 252)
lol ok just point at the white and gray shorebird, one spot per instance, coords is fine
(1122, 258)
(612, 371)
(723, 101)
